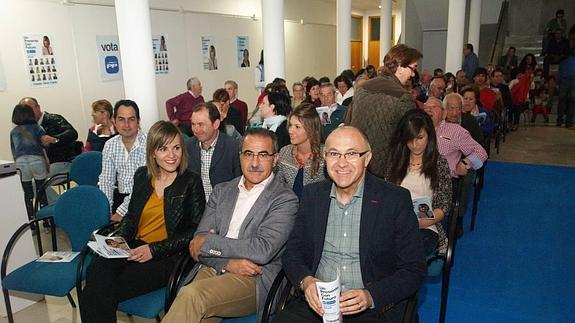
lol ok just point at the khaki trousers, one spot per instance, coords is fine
(209, 297)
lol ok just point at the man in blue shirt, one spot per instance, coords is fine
(470, 62)
(567, 90)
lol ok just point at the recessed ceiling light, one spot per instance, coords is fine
(379, 6)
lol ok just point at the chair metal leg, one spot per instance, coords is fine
(158, 319)
(444, 293)
(71, 300)
(8, 306)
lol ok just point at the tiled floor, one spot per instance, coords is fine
(537, 143)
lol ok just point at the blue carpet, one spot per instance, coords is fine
(519, 263)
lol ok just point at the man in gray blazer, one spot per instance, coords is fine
(211, 153)
(240, 240)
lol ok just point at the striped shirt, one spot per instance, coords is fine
(453, 142)
(120, 164)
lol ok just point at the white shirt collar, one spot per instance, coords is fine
(259, 186)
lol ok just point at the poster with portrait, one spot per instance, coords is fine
(108, 48)
(243, 51)
(160, 48)
(40, 60)
(209, 57)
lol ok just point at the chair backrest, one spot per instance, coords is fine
(80, 211)
(86, 168)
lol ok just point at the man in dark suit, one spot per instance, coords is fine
(212, 154)
(359, 227)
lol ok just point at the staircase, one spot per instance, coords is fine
(525, 44)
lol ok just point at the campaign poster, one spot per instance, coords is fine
(209, 57)
(40, 60)
(243, 51)
(108, 48)
(160, 48)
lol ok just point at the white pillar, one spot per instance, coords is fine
(273, 35)
(135, 34)
(343, 35)
(384, 29)
(455, 28)
(474, 24)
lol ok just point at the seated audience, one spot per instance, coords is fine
(471, 105)
(454, 114)
(454, 143)
(228, 129)
(461, 78)
(437, 88)
(274, 109)
(121, 157)
(211, 153)
(509, 60)
(165, 210)
(450, 83)
(415, 164)
(235, 103)
(344, 90)
(301, 162)
(486, 96)
(298, 91)
(312, 92)
(103, 128)
(240, 240)
(179, 108)
(233, 117)
(360, 226)
(335, 112)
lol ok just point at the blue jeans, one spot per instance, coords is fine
(566, 102)
(31, 167)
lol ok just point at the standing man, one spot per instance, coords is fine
(235, 103)
(336, 112)
(211, 153)
(179, 108)
(121, 157)
(240, 240)
(357, 225)
(59, 141)
(470, 61)
(567, 91)
(379, 103)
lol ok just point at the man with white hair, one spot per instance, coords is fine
(179, 108)
(453, 104)
(437, 88)
(235, 103)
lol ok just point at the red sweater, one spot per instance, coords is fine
(180, 107)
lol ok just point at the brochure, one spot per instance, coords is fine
(58, 256)
(328, 293)
(324, 115)
(110, 247)
(422, 208)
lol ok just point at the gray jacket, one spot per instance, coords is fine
(262, 236)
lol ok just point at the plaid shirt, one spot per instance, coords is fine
(341, 246)
(119, 164)
(206, 159)
(453, 142)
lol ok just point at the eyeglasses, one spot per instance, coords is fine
(412, 68)
(349, 156)
(263, 155)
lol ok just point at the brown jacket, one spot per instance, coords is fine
(378, 104)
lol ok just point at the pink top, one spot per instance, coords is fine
(455, 143)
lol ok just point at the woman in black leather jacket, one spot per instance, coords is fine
(165, 209)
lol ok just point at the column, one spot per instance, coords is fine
(384, 29)
(474, 24)
(273, 35)
(343, 35)
(135, 34)
(455, 29)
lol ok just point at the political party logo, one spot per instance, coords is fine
(112, 64)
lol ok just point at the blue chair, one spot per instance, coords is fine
(84, 170)
(78, 212)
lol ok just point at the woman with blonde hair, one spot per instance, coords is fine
(166, 206)
(301, 162)
(103, 128)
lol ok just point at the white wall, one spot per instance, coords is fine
(412, 26)
(310, 50)
(434, 49)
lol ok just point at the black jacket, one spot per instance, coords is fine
(58, 127)
(184, 204)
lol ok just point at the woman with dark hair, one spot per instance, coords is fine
(301, 162)
(165, 209)
(344, 90)
(29, 155)
(450, 83)
(312, 92)
(528, 62)
(473, 106)
(259, 74)
(274, 109)
(414, 163)
(103, 128)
